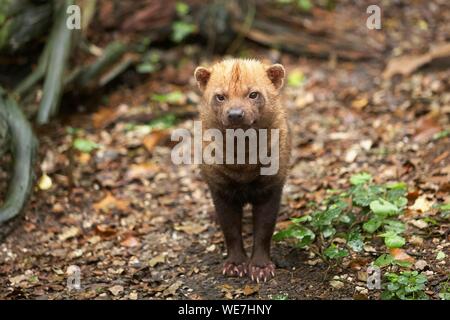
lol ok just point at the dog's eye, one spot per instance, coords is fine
(253, 95)
(220, 97)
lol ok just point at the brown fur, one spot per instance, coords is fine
(234, 185)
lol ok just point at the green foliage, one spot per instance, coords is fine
(355, 240)
(163, 122)
(304, 5)
(445, 210)
(182, 9)
(360, 178)
(441, 134)
(386, 260)
(150, 63)
(444, 294)
(174, 97)
(281, 296)
(354, 214)
(84, 145)
(296, 79)
(160, 123)
(302, 235)
(182, 28)
(334, 252)
(441, 255)
(408, 285)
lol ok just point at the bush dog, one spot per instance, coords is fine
(245, 94)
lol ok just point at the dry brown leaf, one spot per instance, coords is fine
(359, 104)
(154, 138)
(172, 289)
(110, 202)
(141, 171)
(106, 115)
(130, 242)
(283, 224)
(115, 290)
(405, 65)
(422, 204)
(191, 228)
(400, 255)
(83, 158)
(249, 290)
(69, 233)
(105, 230)
(156, 260)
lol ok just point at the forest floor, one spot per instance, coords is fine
(139, 227)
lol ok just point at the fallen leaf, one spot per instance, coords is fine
(156, 260)
(133, 295)
(351, 154)
(106, 230)
(115, 290)
(337, 284)
(107, 115)
(191, 228)
(360, 103)
(18, 279)
(141, 171)
(421, 204)
(416, 240)
(154, 138)
(172, 289)
(249, 290)
(68, 233)
(109, 202)
(400, 255)
(419, 224)
(130, 242)
(420, 264)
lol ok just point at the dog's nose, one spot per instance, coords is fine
(235, 114)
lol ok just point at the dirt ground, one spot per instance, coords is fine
(140, 227)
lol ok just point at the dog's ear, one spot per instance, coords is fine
(276, 74)
(202, 76)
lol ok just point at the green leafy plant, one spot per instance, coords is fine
(163, 122)
(408, 285)
(388, 260)
(84, 145)
(445, 210)
(183, 27)
(174, 97)
(353, 214)
(150, 63)
(280, 296)
(444, 294)
(296, 79)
